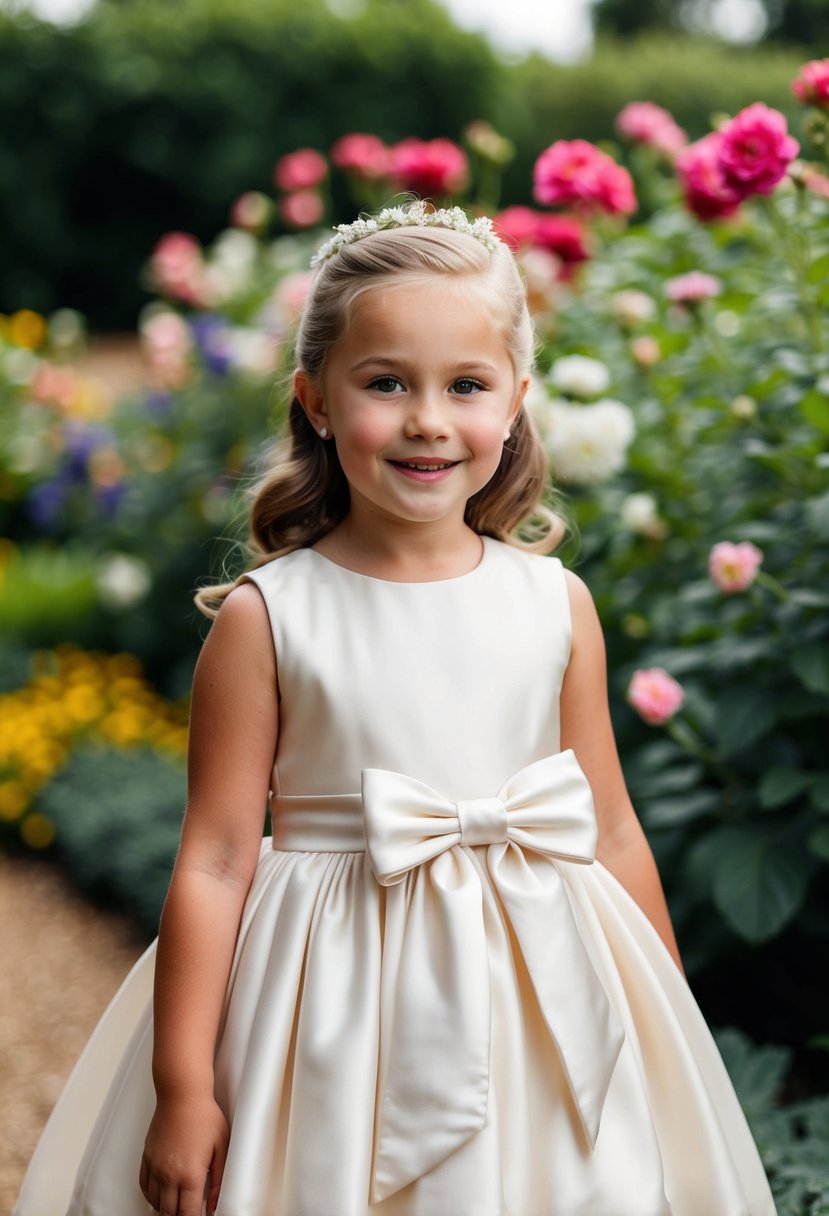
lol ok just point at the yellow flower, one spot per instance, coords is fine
(37, 831)
(27, 328)
(13, 800)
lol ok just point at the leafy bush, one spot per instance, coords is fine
(117, 816)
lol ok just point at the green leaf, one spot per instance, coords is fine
(756, 1073)
(742, 717)
(819, 842)
(814, 407)
(782, 785)
(817, 515)
(758, 884)
(664, 812)
(810, 664)
(820, 792)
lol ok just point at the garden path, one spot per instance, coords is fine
(61, 960)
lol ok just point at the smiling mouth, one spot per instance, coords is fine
(422, 466)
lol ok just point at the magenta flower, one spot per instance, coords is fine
(693, 287)
(734, 567)
(300, 170)
(563, 235)
(655, 695)
(756, 150)
(812, 85)
(573, 172)
(707, 193)
(429, 166)
(643, 122)
(177, 268)
(365, 156)
(302, 209)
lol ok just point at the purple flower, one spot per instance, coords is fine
(46, 502)
(212, 338)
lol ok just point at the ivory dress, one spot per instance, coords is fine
(440, 1004)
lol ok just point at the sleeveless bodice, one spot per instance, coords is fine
(405, 676)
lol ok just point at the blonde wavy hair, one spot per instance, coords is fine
(303, 493)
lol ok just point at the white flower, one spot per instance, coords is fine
(640, 514)
(586, 443)
(252, 350)
(123, 580)
(579, 376)
(632, 306)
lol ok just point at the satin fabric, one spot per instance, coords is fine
(439, 1004)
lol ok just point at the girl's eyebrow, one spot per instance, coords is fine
(389, 361)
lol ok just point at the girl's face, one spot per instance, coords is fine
(419, 395)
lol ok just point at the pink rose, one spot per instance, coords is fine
(250, 211)
(562, 235)
(655, 695)
(300, 170)
(646, 350)
(177, 268)
(365, 156)
(693, 287)
(643, 122)
(812, 85)
(302, 209)
(707, 194)
(734, 567)
(428, 167)
(756, 150)
(575, 172)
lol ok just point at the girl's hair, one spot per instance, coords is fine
(304, 493)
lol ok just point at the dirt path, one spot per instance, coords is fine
(61, 961)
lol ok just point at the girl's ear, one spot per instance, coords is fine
(309, 395)
(518, 400)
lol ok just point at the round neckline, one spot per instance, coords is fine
(486, 542)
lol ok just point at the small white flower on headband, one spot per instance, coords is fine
(419, 215)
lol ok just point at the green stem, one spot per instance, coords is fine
(771, 584)
(797, 257)
(682, 734)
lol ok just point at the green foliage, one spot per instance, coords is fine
(117, 816)
(792, 1139)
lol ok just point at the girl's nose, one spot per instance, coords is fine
(427, 418)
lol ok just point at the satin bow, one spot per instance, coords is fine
(436, 1001)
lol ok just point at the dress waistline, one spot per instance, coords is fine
(318, 823)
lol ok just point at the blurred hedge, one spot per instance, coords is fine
(149, 117)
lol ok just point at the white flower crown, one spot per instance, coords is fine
(417, 214)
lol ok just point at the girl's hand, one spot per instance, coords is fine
(187, 1140)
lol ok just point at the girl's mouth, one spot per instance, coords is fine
(424, 470)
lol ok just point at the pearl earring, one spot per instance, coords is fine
(324, 432)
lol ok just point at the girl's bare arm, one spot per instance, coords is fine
(587, 729)
(233, 732)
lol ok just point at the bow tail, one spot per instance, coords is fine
(570, 994)
(435, 1022)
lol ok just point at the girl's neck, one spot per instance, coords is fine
(413, 554)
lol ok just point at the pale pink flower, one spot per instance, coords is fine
(693, 287)
(177, 268)
(643, 122)
(167, 342)
(655, 695)
(302, 209)
(292, 292)
(365, 156)
(815, 182)
(52, 385)
(646, 350)
(734, 567)
(812, 85)
(756, 150)
(575, 172)
(707, 194)
(250, 211)
(300, 170)
(429, 166)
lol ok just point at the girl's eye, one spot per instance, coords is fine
(466, 386)
(386, 384)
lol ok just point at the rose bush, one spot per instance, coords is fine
(682, 391)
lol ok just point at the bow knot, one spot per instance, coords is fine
(436, 994)
(482, 820)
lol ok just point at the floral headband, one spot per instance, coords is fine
(416, 215)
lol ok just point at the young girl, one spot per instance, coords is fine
(448, 986)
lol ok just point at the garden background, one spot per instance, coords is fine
(168, 172)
